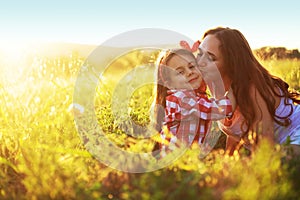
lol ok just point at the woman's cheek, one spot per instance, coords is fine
(212, 73)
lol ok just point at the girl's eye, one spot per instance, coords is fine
(192, 66)
(180, 72)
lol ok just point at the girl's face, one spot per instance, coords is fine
(210, 59)
(183, 73)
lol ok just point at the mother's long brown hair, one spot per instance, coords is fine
(244, 70)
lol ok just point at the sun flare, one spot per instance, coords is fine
(13, 56)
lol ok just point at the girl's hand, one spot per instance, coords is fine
(231, 97)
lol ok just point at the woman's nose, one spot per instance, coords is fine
(201, 62)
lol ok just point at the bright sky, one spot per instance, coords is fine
(264, 23)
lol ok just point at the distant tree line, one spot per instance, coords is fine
(266, 53)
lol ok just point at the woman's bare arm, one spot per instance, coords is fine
(264, 122)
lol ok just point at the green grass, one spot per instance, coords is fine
(43, 157)
(288, 70)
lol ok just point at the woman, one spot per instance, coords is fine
(264, 105)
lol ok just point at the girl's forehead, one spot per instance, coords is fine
(181, 61)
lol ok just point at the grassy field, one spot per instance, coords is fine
(42, 155)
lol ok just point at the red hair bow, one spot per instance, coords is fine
(184, 44)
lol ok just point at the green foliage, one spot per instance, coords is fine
(288, 70)
(267, 53)
(43, 157)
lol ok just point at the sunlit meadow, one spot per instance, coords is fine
(42, 155)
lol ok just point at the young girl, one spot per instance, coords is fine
(187, 110)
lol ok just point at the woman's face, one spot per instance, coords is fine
(210, 59)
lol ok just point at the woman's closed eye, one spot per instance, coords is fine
(209, 56)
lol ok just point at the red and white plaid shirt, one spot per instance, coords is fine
(188, 115)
